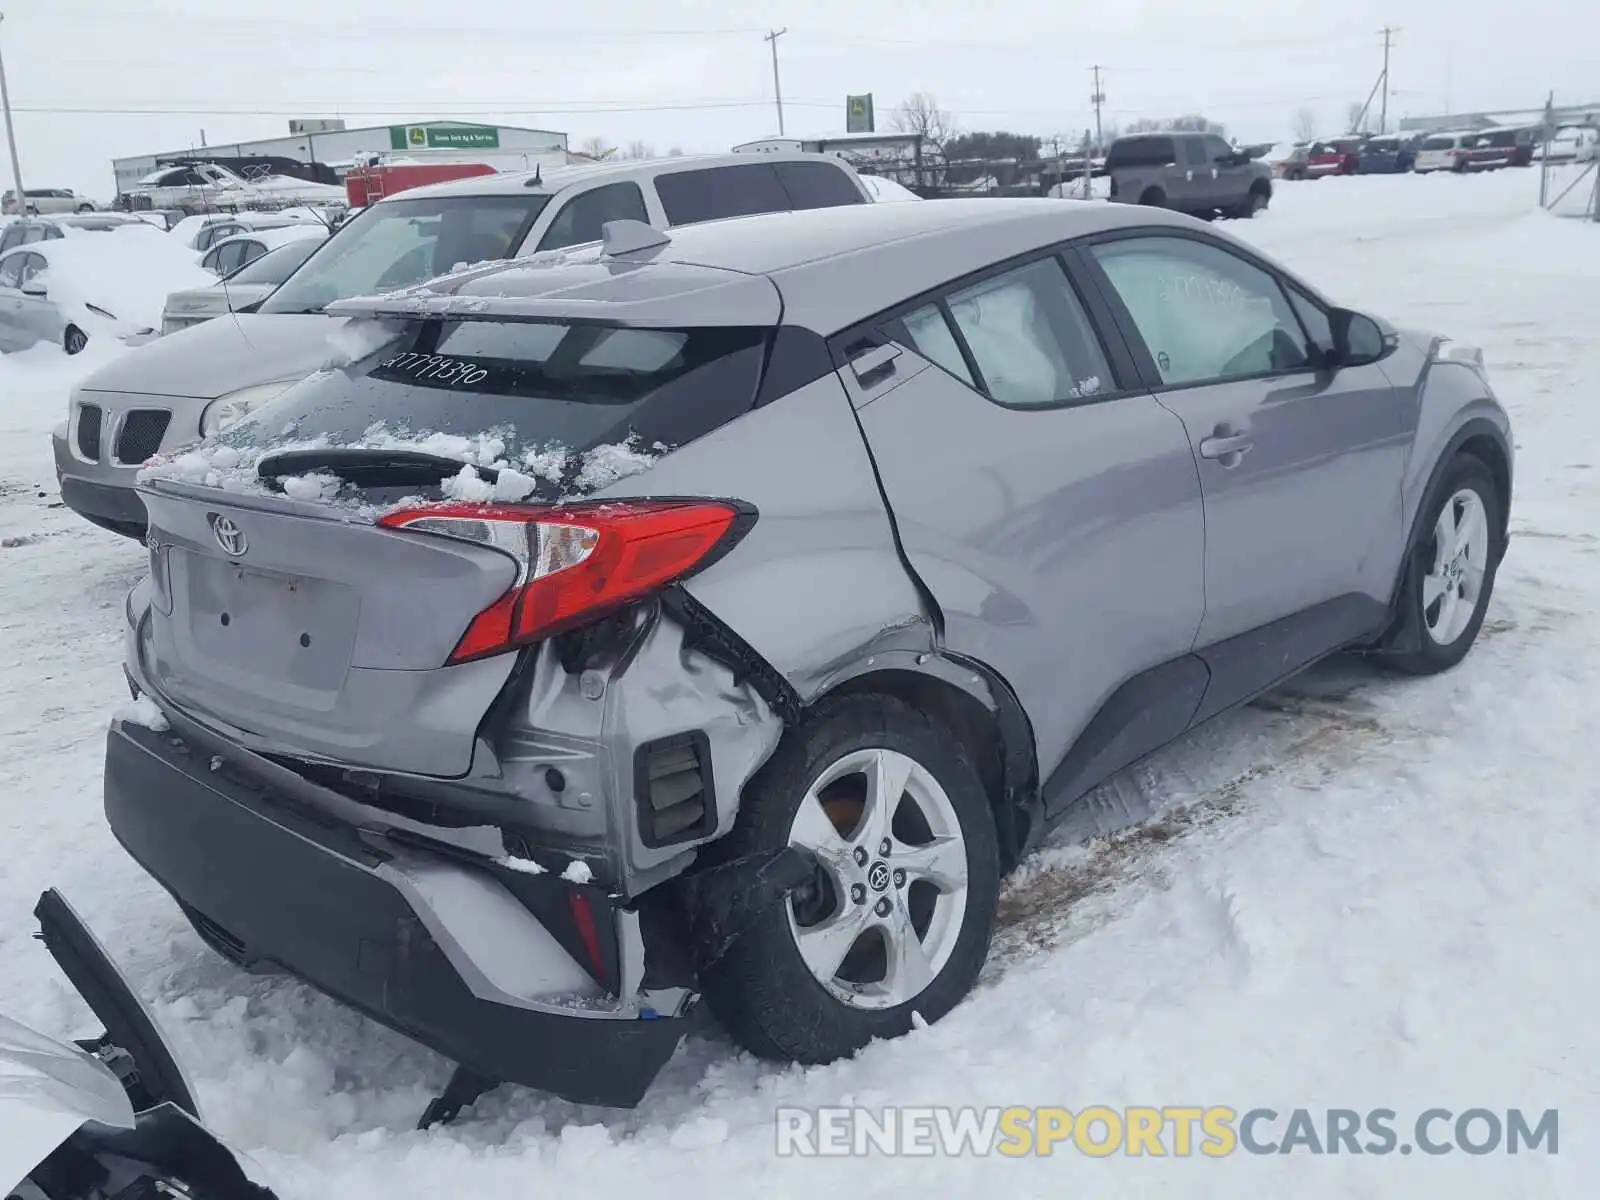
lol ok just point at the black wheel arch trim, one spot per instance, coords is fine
(1470, 430)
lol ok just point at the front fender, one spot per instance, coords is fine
(1457, 406)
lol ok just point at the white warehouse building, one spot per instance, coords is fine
(329, 142)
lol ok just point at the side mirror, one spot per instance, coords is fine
(34, 288)
(1357, 339)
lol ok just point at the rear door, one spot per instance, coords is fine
(1201, 187)
(1300, 465)
(1048, 503)
(13, 334)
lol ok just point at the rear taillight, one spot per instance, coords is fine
(579, 561)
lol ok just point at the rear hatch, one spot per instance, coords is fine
(285, 612)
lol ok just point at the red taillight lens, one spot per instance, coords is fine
(577, 562)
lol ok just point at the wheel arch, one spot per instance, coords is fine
(977, 707)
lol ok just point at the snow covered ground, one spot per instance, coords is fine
(1362, 892)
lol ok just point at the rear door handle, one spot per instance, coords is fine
(1223, 445)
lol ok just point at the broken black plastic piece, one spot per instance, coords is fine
(464, 1088)
(725, 901)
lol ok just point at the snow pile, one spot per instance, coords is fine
(127, 272)
(524, 866)
(143, 711)
(353, 339)
(578, 872)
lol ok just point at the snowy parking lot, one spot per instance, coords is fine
(1359, 892)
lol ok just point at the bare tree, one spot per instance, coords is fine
(1304, 125)
(640, 149)
(1188, 123)
(920, 113)
(596, 147)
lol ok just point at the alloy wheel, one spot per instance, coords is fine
(894, 879)
(1454, 583)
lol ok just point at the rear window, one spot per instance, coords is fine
(399, 243)
(716, 192)
(536, 385)
(1141, 152)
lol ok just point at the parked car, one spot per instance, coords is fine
(67, 290)
(1443, 152)
(1387, 154)
(239, 291)
(1288, 160)
(164, 219)
(229, 254)
(1194, 173)
(1341, 156)
(217, 371)
(522, 778)
(110, 1115)
(1511, 146)
(1571, 143)
(45, 201)
(44, 229)
(202, 232)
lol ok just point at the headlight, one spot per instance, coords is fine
(223, 414)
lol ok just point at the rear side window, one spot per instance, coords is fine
(11, 271)
(582, 216)
(1142, 152)
(32, 265)
(13, 237)
(929, 335)
(817, 185)
(717, 192)
(1026, 334)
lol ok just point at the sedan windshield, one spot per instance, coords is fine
(399, 243)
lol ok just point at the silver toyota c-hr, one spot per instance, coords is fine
(947, 512)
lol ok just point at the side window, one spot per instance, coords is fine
(32, 264)
(246, 252)
(1029, 337)
(817, 185)
(35, 233)
(212, 260)
(12, 237)
(1194, 151)
(928, 333)
(1204, 313)
(690, 196)
(1216, 148)
(582, 216)
(11, 271)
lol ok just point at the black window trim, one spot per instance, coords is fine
(1111, 339)
(577, 195)
(1151, 380)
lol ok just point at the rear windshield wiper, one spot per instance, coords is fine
(369, 467)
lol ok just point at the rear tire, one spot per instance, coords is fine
(885, 935)
(74, 340)
(1450, 571)
(1153, 197)
(86, 208)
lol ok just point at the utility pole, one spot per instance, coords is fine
(1383, 104)
(11, 139)
(1098, 99)
(777, 88)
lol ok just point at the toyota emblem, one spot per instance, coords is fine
(229, 536)
(878, 876)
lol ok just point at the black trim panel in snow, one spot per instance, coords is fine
(291, 892)
(1152, 709)
(1243, 667)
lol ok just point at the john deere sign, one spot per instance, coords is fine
(443, 137)
(858, 114)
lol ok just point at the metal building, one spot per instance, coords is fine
(331, 143)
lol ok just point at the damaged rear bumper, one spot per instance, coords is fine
(519, 978)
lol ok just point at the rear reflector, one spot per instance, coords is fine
(579, 561)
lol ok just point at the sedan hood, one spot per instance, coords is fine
(220, 357)
(216, 300)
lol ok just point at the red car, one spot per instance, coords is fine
(1505, 147)
(1341, 157)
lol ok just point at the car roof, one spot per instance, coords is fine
(831, 267)
(556, 179)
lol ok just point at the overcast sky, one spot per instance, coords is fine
(92, 80)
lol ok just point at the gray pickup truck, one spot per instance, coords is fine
(1195, 173)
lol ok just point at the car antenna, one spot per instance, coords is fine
(538, 176)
